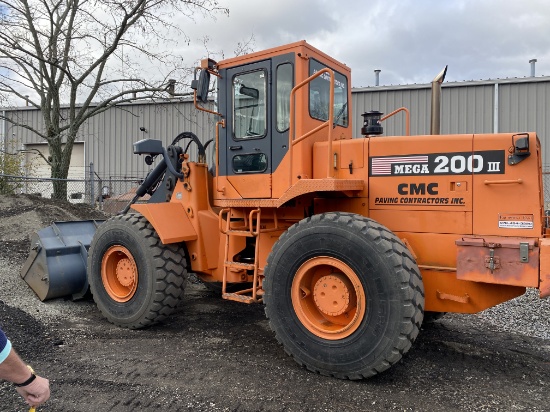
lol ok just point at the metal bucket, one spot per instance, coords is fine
(56, 265)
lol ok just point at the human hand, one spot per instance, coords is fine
(35, 393)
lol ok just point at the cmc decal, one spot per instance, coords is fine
(419, 194)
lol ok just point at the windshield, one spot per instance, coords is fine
(319, 95)
(249, 94)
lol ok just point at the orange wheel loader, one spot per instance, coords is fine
(349, 241)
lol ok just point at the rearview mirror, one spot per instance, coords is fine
(250, 92)
(520, 149)
(201, 85)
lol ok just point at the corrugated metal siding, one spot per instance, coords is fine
(109, 136)
(387, 100)
(526, 108)
(463, 109)
(468, 107)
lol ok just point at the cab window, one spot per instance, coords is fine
(250, 163)
(319, 95)
(284, 86)
(249, 105)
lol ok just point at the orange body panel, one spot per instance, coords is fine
(209, 229)
(445, 293)
(421, 221)
(169, 220)
(188, 217)
(544, 280)
(251, 186)
(497, 205)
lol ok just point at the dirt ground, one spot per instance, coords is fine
(216, 355)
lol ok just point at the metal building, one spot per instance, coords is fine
(503, 105)
(106, 139)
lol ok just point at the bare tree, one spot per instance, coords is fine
(73, 59)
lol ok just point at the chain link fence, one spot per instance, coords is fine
(109, 194)
(546, 186)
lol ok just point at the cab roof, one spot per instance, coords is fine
(301, 48)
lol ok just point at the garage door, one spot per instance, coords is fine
(38, 167)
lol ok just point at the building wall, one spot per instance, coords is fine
(511, 105)
(108, 137)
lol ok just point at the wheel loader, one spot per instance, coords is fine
(348, 241)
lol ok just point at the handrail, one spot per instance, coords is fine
(407, 119)
(202, 108)
(502, 182)
(217, 147)
(328, 123)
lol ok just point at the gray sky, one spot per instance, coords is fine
(409, 40)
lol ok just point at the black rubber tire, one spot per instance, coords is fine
(162, 272)
(392, 285)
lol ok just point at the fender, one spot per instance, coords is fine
(169, 220)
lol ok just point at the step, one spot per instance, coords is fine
(245, 233)
(239, 265)
(239, 298)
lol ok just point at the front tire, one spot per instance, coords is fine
(343, 295)
(135, 280)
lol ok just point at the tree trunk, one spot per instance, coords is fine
(60, 162)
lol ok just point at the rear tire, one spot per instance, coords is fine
(135, 280)
(343, 295)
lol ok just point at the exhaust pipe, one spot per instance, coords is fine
(532, 62)
(377, 77)
(435, 127)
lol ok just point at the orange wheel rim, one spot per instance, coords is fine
(328, 298)
(119, 273)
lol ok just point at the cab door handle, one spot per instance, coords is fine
(235, 147)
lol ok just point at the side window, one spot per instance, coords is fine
(249, 105)
(319, 95)
(284, 86)
(250, 163)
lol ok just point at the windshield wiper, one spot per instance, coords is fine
(342, 110)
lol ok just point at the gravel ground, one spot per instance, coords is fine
(214, 355)
(527, 315)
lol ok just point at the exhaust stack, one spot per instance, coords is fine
(532, 62)
(435, 127)
(377, 77)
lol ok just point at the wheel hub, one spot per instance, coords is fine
(331, 295)
(328, 298)
(119, 273)
(125, 272)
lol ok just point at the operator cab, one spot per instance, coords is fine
(254, 100)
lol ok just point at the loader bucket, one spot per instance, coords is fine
(56, 265)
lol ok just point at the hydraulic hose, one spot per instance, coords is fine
(151, 179)
(194, 138)
(171, 167)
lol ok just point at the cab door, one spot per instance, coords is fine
(248, 132)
